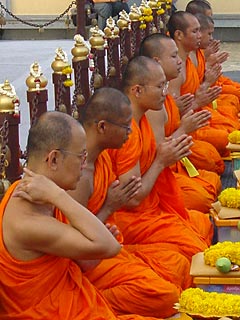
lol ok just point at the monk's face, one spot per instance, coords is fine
(207, 37)
(73, 160)
(192, 36)
(120, 128)
(169, 59)
(154, 91)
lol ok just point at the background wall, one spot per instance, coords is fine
(219, 6)
(38, 7)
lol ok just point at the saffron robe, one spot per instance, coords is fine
(157, 218)
(227, 103)
(201, 191)
(49, 287)
(219, 127)
(128, 283)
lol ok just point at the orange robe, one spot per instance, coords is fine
(217, 131)
(229, 86)
(49, 287)
(128, 283)
(227, 103)
(201, 191)
(157, 218)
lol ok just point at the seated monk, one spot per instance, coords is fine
(200, 187)
(184, 28)
(213, 53)
(226, 104)
(150, 218)
(127, 282)
(44, 232)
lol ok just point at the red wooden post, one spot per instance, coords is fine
(13, 170)
(81, 18)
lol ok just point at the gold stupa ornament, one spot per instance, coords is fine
(135, 13)
(81, 49)
(124, 22)
(36, 81)
(9, 101)
(111, 30)
(97, 39)
(60, 62)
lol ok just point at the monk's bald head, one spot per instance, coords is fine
(105, 103)
(179, 21)
(205, 22)
(139, 71)
(52, 130)
(153, 45)
(199, 6)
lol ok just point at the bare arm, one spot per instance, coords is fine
(84, 238)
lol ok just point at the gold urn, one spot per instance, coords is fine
(36, 81)
(7, 97)
(80, 50)
(60, 62)
(96, 40)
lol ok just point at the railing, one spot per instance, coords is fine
(96, 63)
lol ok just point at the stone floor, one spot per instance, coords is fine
(17, 56)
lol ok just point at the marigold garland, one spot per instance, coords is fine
(195, 301)
(230, 197)
(234, 137)
(227, 249)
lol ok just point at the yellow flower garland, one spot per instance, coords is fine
(195, 301)
(230, 198)
(227, 249)
(234, 137)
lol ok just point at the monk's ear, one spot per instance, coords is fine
(178, 35)
(136, 90)
(52, 159)
(101, 126)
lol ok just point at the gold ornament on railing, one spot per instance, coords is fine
(135, 13)
(124, 22)
(36, 81)
(80, 50)
(9, 102)
(61, 66)
(97, 40)
(111, 30)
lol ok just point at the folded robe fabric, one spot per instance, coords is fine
(219, 127)
(49, 287)
(158, 218)
(198, 192)
(147, 281)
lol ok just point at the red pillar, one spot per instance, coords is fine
(81, 18)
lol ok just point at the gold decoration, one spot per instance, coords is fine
(80, 50)
(97, 38)
(135, 13)
(98, 81)
(80, 100)
(8, 98)
(112, 72)
(111, 30)
(60, 61)
(36, 81)
(62, 108)
(75, 114)
(4, 185)
(124, 21)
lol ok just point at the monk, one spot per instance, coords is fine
(126, 281)
(44, 232)
(226, 104)
(184, 28)
(201, 187)
(212, 53)
(151, 217)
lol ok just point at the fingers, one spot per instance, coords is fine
(28, 172)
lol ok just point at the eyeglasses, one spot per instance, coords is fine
(82, 155)
(124, 126)
(162, 86)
